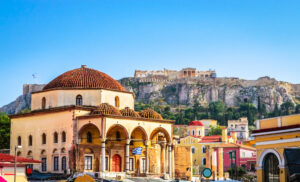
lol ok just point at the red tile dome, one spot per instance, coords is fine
(129, 112)
(150, 114)
(84, 78)
(106, 109)
(196, 123)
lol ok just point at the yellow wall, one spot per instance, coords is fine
(92, 97)
(196, 129)
(269, 123)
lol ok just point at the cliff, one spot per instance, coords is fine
(232, 91)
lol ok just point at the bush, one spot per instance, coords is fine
(240, 172)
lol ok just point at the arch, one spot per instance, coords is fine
(19, 141)
(43, 152)
(204, 149)
(44, 138)
(138, 136)
(55, 137)
(29, 153)
(30, 140)
(89, 133)
(160, 130)
(43, 103)
(79, 100)
(55, 151)
(62, 150)
(271, 168)
(203, 161)
(63, 136)
(265, 152)
(88, 151)
(114, 128)
(117, 101)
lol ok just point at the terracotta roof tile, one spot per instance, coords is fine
(84, 78)
(11, 159)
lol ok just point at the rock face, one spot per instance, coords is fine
(23, 101)
(232, 91)
(184, 92)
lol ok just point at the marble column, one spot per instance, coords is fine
(147, 157)
(169, 160)
(163, 158)
(127, 156)
(103, 156)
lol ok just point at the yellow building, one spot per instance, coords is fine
(84, 121)
(273, 138)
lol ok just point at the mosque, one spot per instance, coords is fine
(85, 121)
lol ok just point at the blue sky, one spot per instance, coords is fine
(246, 39)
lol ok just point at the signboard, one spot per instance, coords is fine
(137, 151)
(207, 172)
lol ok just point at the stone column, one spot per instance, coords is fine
(169, 160)
(163, 158)
(127, 155)
(147, 157)
(103, 156)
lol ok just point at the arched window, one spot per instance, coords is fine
(203, 149)
(55, 137)
(43, 103)
(19, 141)
(193, 150)
(44, 138)
(204, 161)
(117, 101)
(30, 140)
(89, 137)
(199, 132)
(193, 132)
(79, 100)
(63, 136)
(118, 136)
(271, 167)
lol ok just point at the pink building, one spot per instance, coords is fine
(245, 156)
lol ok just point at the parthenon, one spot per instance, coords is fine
(174, 74)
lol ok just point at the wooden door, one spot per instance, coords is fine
(116, 163)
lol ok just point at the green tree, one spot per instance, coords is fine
(248, 110)
(276, 111)
(297, 109)
(217, 111)
(4, 131)
(215, 130)
(287, 108)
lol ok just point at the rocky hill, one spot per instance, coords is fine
(184, 92)
(231, 91)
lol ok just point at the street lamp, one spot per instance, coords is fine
(15, 168)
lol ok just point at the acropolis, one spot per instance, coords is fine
(174, 74)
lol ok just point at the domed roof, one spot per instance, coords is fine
(196, 123)
(106, 109)
(129, 112)
(149, 113)
(84, 78)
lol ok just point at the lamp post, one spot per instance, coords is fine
(15, 168)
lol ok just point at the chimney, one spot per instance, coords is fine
(83, 66)
(224, 135)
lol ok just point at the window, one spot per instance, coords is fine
(44, 138)
(55, 164)
(88, 162)
(204, 161)
(63, 136)
(118, 136)
(193, 132)
(193, 150)
(131, 164)
(44, 164)
(203, 149)
(143, 165)
(199, 132)
(79, 100)
(43, 103)
(188, 132)
(89, 137)
(117, 101)
(63, 163)
(19, 141)
(30, 140)
(55, 137)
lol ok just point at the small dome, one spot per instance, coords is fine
(196, 123)
(85, 78)
(129, 112)
(150, 114)
(106, 109)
